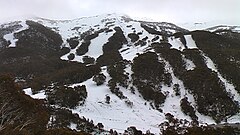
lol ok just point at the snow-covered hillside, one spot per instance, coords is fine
(73, 28)
(209, 25)
(141, 37)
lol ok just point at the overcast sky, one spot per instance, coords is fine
(175, 11)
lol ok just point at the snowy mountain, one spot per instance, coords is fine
(212, 25)
(122, 73)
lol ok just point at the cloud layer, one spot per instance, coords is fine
(176, 11)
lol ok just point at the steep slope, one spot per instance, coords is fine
(122, 72)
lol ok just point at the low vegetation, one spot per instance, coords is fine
(224, 52)
(148, 76)
(110, 49)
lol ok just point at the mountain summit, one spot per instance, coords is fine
(110, 72)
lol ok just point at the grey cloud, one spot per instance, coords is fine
(159, 10)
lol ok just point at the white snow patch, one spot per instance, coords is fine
(224, 27)
(10, 37)
(95, 48)
(237, 29)
(234, 119)
(172, 102)
(197, 26)
(40, 95)
(203, 119)
(176, 43)
(73, 126)
(189, 64)
(117, 115)
(131, 51)
(190, 42)
(52, 118)
(205, 25)
(28, 91)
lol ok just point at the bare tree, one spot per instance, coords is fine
(10, 112)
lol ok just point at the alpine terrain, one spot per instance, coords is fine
(110, 74)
